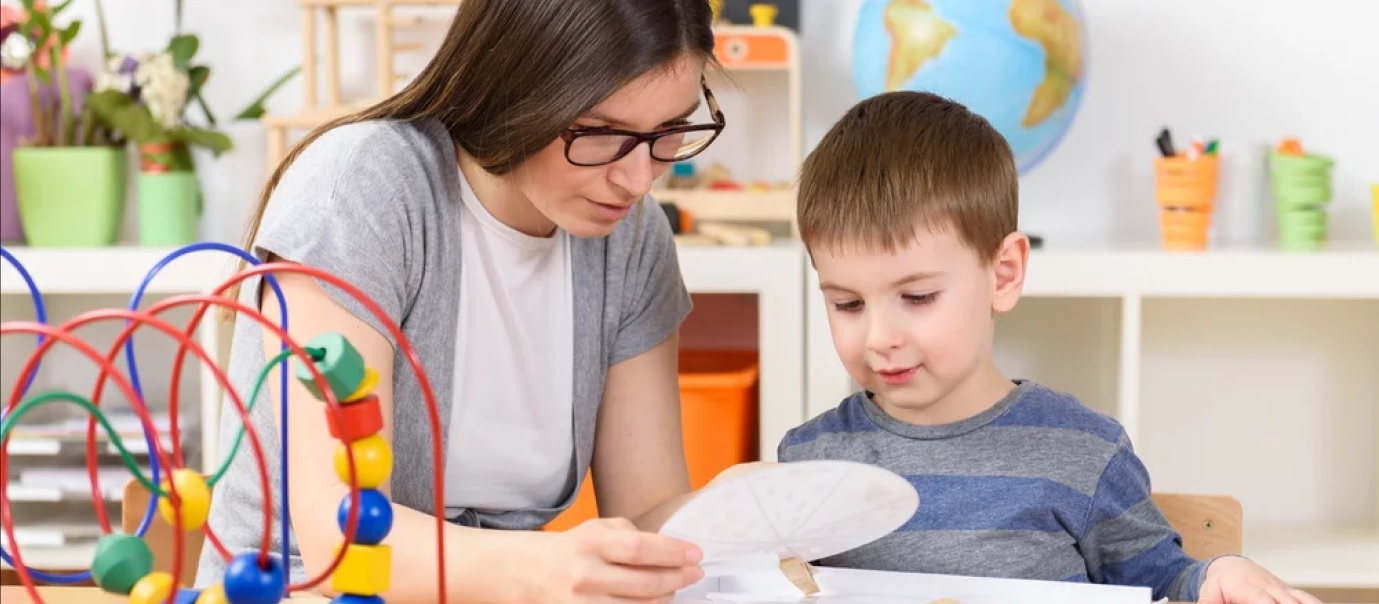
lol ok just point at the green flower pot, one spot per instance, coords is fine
(70, 196)
(169, 208)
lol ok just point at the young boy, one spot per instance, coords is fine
(908, 208)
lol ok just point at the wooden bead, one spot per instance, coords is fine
(248, 583)
(339, 363)
(375, 517)
(154, 588)
(365, 388)
(214, 594)
(193, 495)
(365, 570)
(120, 561)
(373, 461)
(356, 420)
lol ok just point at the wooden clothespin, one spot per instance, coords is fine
(800, 573)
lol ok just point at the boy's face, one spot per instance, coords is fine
(915, 326)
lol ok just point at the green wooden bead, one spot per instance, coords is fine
(339, 362)
(120, 562)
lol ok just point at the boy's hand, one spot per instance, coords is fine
(1234, 580)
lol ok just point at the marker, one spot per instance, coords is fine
(1165, 143)
(1211, 146)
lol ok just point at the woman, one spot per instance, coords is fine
(496, 208)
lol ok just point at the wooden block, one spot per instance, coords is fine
(365, 570)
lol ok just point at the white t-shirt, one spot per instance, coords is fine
(511, 429)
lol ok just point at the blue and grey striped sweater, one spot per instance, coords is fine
(1037, 487)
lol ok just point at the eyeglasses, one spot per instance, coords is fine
(601, 146)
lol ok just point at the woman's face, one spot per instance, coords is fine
(588, 201)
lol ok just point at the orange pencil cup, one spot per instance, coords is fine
(1185, 191)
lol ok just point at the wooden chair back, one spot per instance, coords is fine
(1209, 524)
(159, 536)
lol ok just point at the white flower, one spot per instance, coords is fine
(14, 52)
(162, 87)
(118, 75)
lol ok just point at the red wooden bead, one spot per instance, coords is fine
(356, 420)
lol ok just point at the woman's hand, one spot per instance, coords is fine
(609, 560)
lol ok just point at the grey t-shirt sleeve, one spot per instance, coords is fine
(656, 300)
(345, 206)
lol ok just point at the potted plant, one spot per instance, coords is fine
(147, 98)
(54, 208)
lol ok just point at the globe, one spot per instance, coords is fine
(1018, 63)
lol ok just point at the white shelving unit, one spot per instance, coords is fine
(1249, 372)
(1114, 311)
(758, 89)
(73, 281)
(775, 274)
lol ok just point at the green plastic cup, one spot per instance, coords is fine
(1302, 190)
(169, 208)
(1302, 229)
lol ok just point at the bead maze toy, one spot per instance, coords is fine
(330, 368)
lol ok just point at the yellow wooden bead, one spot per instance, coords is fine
(365, 570)
(365, 388)
(214, 594)
(194, 496)
(373, 461)
(154, 588)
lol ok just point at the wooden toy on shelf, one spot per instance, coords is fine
(707, 189)
(326, 13)
(763, 14)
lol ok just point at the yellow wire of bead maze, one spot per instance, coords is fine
(336, 375)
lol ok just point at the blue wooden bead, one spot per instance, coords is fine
(187, 596)
(356, 599)
(247, 583)
(375, 517)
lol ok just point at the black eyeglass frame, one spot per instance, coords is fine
(570, 135)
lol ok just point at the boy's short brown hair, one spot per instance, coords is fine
(901, 159)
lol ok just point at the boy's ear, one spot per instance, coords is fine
(1008, 270)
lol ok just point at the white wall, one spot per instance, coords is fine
(247, 45)
(1250, 72)
(1213, 67)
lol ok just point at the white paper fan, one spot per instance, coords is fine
(808, 509)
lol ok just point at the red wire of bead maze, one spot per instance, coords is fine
(350, 422)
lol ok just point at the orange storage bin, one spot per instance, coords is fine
(718, 411)
(718, 415)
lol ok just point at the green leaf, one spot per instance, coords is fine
(183, 48)
(123, 114)
(44, 23)
(217, 142)
(197, 76)
(205, 108)
(71, 32)
(61, 6)
(256, 109)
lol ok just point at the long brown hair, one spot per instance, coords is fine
(511, 75)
